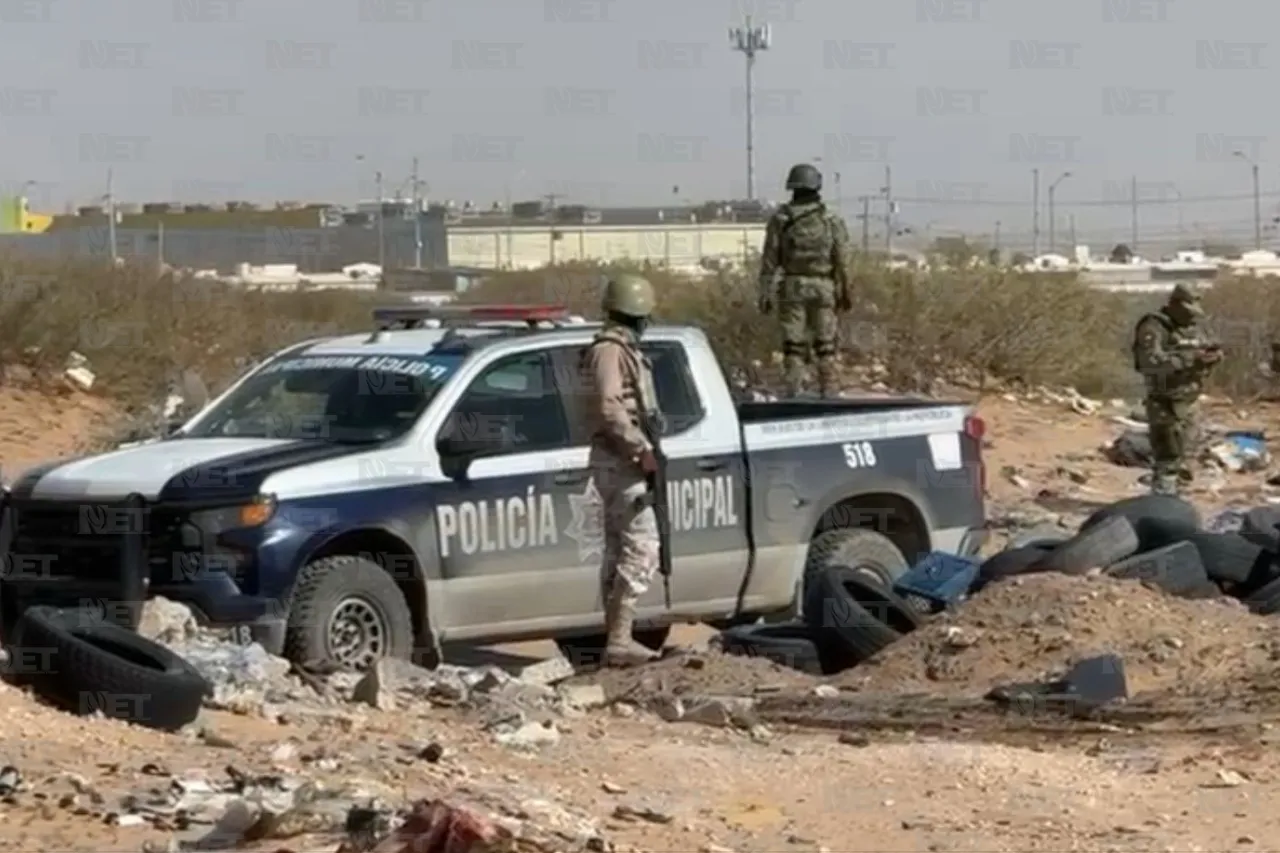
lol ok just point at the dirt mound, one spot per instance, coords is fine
(1032, 626)
(701, 673)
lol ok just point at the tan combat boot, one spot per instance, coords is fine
(621, 649)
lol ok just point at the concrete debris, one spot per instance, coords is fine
(78, 373)
(394, 684)
(531, 736)
(244, 678)
(718, 711)
(167, 622)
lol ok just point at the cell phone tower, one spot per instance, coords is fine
(750, 40)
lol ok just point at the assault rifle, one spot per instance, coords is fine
(651, 424)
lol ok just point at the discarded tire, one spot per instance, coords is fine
(1007, 564)
(1158, 520)
(1231, 558)
(791, 645)
(89, 666)
(1176, 569)
(1261, 526)
(1106, 542)
(853, 617)
(1048, 536)
(1266, 600)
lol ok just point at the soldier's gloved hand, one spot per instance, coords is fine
(648, 462)
(765, 303)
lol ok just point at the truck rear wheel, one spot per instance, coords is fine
(346, 613)
(872, 555)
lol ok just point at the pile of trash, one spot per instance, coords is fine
(1156, 540)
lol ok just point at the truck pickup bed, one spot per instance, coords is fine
(330, 481)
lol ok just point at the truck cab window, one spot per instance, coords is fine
(677, 396)
(512, 407)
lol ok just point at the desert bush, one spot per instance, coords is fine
(139, 330)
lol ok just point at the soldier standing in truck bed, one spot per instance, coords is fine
(809, 245)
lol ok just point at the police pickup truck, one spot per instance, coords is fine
(426, 482)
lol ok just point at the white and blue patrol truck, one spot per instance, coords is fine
(381, 493)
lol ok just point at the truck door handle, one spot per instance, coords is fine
(571, 478)
(710, 463)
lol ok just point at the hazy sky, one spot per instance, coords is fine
(620, 101)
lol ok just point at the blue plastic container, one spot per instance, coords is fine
(940, 577)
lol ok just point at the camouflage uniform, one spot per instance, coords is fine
(1174, 356)
(810, 246)
(619, 386)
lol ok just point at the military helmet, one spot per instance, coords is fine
(629, 294)
(804, 176)
(1188, 297)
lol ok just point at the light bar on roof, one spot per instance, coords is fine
(420, 314)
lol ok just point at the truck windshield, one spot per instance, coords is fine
(344, 399)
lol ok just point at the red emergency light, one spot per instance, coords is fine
(416, 315)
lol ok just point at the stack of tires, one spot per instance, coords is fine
(1157, 539)
(850, 610)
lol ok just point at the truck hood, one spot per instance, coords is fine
(184, 469)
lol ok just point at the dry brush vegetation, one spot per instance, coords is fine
(139, 330)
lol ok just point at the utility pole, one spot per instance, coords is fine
(160, 246)
(1053, 244)
(750, 40)
(382, 241)
(996, 241)
(888, 213)
(1035, 212)
(417, 218)
(111, 218)
(1257, 210)
(866, 222)
(1133, 214)
(1071, 223)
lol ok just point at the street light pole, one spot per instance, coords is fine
(382, 243)
(1053, 187)
(750, 40)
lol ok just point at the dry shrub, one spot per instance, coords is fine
(139, 330)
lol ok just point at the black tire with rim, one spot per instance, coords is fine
(95, 666)
(346, 612)
(872, 555)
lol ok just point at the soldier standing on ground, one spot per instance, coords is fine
(619, 384)
(810, 246)
(1174, 356)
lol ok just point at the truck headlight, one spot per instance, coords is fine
(255, 513)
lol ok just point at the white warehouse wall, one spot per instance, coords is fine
(673, 245)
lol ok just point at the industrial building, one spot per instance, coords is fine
(531, 235)
(321, 238)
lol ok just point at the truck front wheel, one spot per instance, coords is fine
(346, 613)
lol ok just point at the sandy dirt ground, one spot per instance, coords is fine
(1193, 766)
